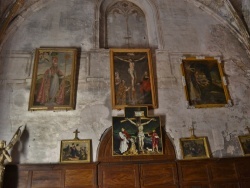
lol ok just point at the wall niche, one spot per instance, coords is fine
(125, 24)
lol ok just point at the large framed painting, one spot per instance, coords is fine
(195, 148)
(136, 134)
(75, 151)
(204, 82)
(245, 144)
(132, 79)
(53, 84)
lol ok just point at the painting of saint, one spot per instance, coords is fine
(204, 83)
(195, 147)
(75, 151)
(53, 80)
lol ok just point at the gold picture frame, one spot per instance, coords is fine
(204, 82)
(132, 78)
(75, 151)
(195, 148)
(53, 84)
(136, 133)
(245, 144)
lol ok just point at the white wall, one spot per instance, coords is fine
(183, 29)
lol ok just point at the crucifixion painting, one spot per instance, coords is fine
(136, 133)
(132, 80)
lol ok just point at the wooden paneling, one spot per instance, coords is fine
(245, 184)
(80, 178)
(243, 167)
(211, 173)
(146, 171)
(225, 185)
(194, 173)
(44, 179)
(215, 173)
(223, 172)
(158, 175)
(23, 179)
(116, 175)
(195, 185)
(48, 176)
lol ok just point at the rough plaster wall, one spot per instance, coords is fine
(62, 23)
(246, 12)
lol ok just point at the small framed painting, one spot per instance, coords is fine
(245, 144)
(53, 84)
(204, 82)
(75, 151)
(195, 148)
(132, 79)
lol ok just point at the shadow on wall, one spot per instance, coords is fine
(20, 147)
(11, 170)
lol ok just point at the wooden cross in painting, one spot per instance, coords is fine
(136, 133)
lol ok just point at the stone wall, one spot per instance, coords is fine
(181, 29)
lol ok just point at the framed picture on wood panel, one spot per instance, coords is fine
(245, 144)
(204, 82)
(132, 79)
(195, 148)
(136, 134)
(75, 151)
(53, 84)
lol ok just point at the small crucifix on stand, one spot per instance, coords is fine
(76, 134)
(248, 129)
(192, 131)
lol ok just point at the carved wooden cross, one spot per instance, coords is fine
(76, 134)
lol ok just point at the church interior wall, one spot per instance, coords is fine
(182, 29)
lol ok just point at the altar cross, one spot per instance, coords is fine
(76, 134)
(192, 131)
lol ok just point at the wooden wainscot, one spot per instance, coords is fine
(136, 171)
(51, 175)
(215, 173)
(142, 171)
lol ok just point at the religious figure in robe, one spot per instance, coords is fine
(51, 91)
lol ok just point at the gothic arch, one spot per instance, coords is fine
(224, 12)
(151, 15)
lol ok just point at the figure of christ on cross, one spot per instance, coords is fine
(133, 76)
(140, 125)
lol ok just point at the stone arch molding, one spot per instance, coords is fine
(151, 15)
(222, 10)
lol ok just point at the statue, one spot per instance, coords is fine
(4, 154)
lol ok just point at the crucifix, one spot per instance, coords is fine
(248, 129)
(192, 131)
(128, 37)
(76, 134)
